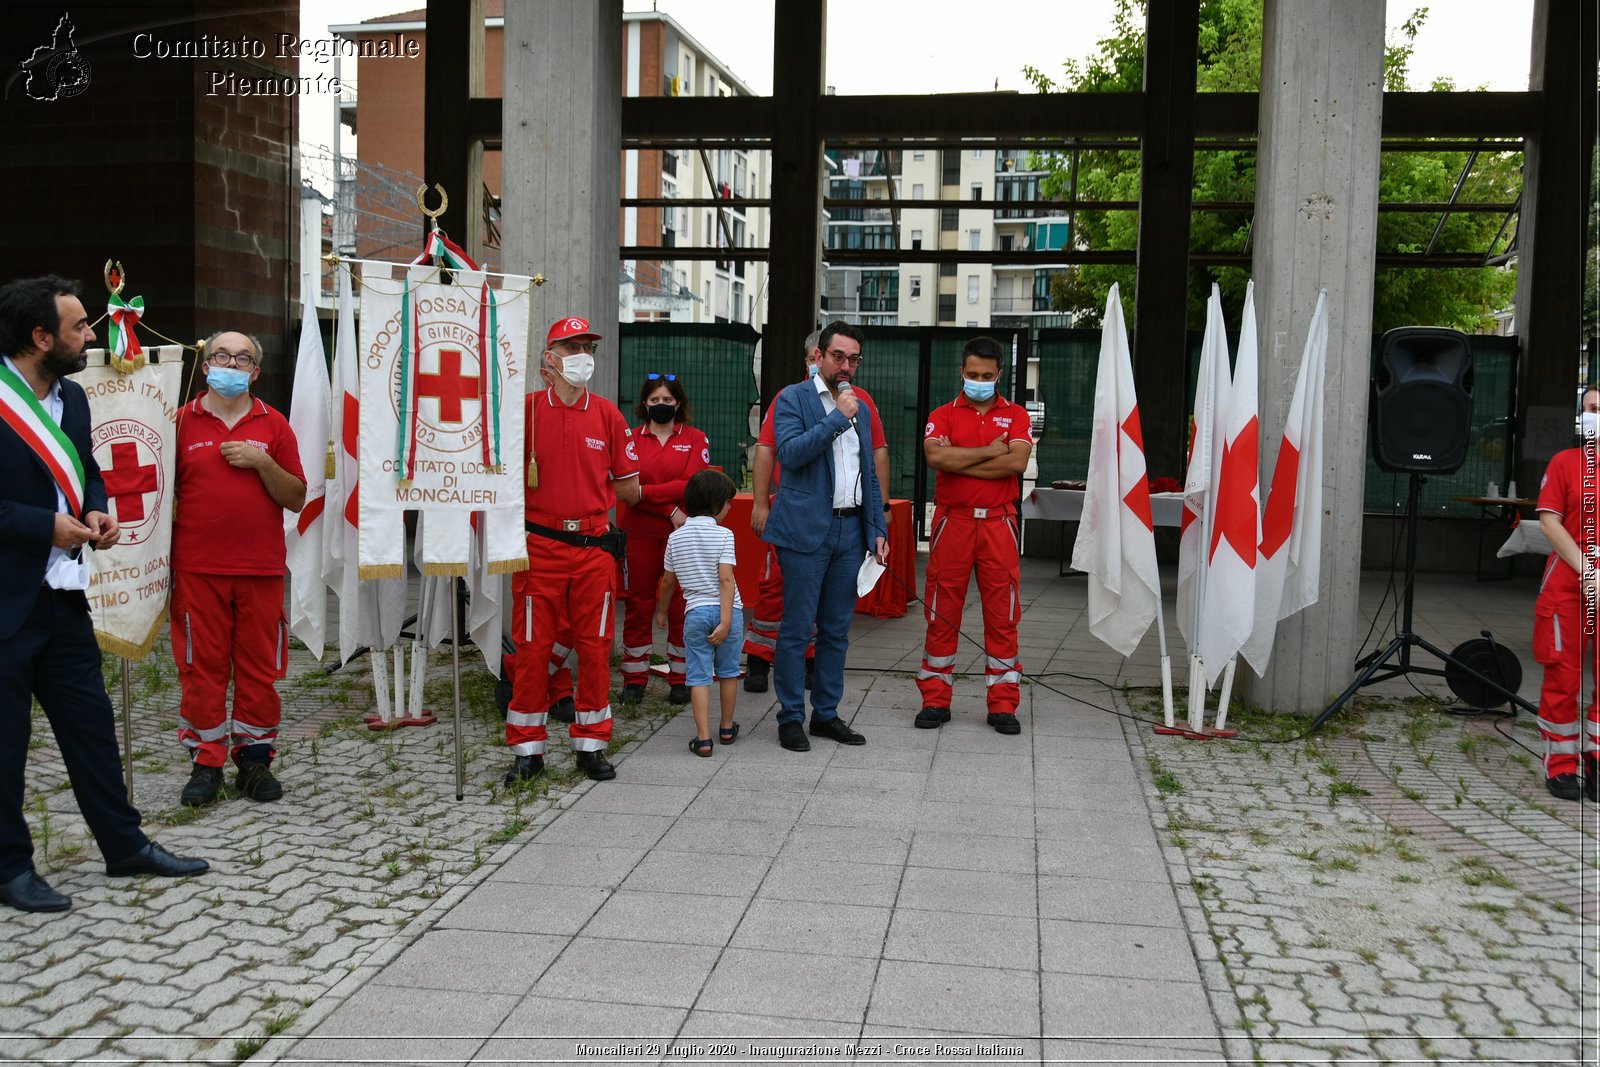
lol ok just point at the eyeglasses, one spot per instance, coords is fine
(841, 357)
(654, 377)
(222, 358)
(578, 346)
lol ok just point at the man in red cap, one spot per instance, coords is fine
(580, 462)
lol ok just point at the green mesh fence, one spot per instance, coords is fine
(1069, 359)
(1068, 362)
(715, 362)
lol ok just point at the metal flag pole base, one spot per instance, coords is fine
(127, 726)
(1221, 727)
(409, 713)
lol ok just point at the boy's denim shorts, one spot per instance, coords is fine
(702, 659)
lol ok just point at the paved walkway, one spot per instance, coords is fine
(1401, 888)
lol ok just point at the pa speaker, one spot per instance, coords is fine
(1422, 401)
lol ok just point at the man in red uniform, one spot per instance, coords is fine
(979, 444)
(1564, 614)
(670, 451)
(761, 633)
(238, 468)
(581, 461)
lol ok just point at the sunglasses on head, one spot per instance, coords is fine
(654, 377)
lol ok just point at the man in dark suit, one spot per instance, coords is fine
(52, 505)
(828, 517)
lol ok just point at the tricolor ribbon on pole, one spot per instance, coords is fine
(122, 315)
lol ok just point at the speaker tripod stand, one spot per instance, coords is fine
(1377, 667)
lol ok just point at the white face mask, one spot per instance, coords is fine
(577, 368)
(1589, 425)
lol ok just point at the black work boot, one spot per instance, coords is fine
(595, 765)
(756, 674)
(255, 781)
(201, 789)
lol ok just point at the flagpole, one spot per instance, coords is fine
(455, 672)
(1222, 700)
(1166, 662)
(127, 726)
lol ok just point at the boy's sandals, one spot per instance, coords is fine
(701, 746)
(728, 734)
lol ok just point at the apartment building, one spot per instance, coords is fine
(660, 58)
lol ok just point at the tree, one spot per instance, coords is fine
(1230, 61)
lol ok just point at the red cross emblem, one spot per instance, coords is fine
(449, 387)
(127, 481)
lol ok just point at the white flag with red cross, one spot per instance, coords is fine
(1116, 537)
(1289, 567)
(303, 535)
(1210, 401)
(1228, 608)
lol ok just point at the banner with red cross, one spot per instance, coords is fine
(443, 376)
(135, 445)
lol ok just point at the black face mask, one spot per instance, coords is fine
(662, 412)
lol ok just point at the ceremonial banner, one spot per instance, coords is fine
(302, 531)
(441, 418)
(1205, 444)
(135, 443)
(370, 613)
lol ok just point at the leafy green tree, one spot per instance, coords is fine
(1230, 35)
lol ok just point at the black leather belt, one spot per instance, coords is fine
(613, 541)
(846, 512)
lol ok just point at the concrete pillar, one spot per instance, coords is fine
(561, 144)
(1316, 227)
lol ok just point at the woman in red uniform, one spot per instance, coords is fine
(670, 450)
(1564, 615)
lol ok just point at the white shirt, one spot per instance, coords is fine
(846, 454)
(61, 571)
(693, 552)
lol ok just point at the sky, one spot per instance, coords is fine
(875, 46)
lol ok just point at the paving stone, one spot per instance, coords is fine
(815, 881)
(988, 1000)
(833, 988)
(596, 968)
(969, 892)
(454, 960)
(827, 929)
(1116, 949)
(972, 852)
(1004, 941)
(674, 918)
(542, 1029)
(571, 865)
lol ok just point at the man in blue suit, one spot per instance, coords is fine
(828, 517)
(52, 505)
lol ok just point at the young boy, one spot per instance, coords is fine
(700, 561)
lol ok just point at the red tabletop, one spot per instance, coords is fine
(888, 598)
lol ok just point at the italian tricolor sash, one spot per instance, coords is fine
(21, 411)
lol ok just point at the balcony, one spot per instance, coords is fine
(863, 304)
(1019, 305)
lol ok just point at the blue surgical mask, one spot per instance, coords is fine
(228, 381)
(979, 391)
(811, 371)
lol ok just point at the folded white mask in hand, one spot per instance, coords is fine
(867, 577)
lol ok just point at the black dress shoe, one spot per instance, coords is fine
(756, 674)
(931, 718)
(836, 729)
(564, 710)
(28, 892)
(153, 859)
(524, 768)
(595, 765)
(1564, 786)
(792, 737)
(1004, 722)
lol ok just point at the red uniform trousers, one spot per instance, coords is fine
(564, 588)
(761, 630)
(226, 624)
(641, 580)
(1560, 644)
(957, 544)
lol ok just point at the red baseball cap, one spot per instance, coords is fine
(570, 328)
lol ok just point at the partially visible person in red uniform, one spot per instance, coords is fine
(238, 469)
(581, 460)
(761, 631)
(979, 444)
(1563, 616)
(670, 450)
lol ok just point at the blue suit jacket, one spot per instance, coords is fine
(28, 507)
(803, 508)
